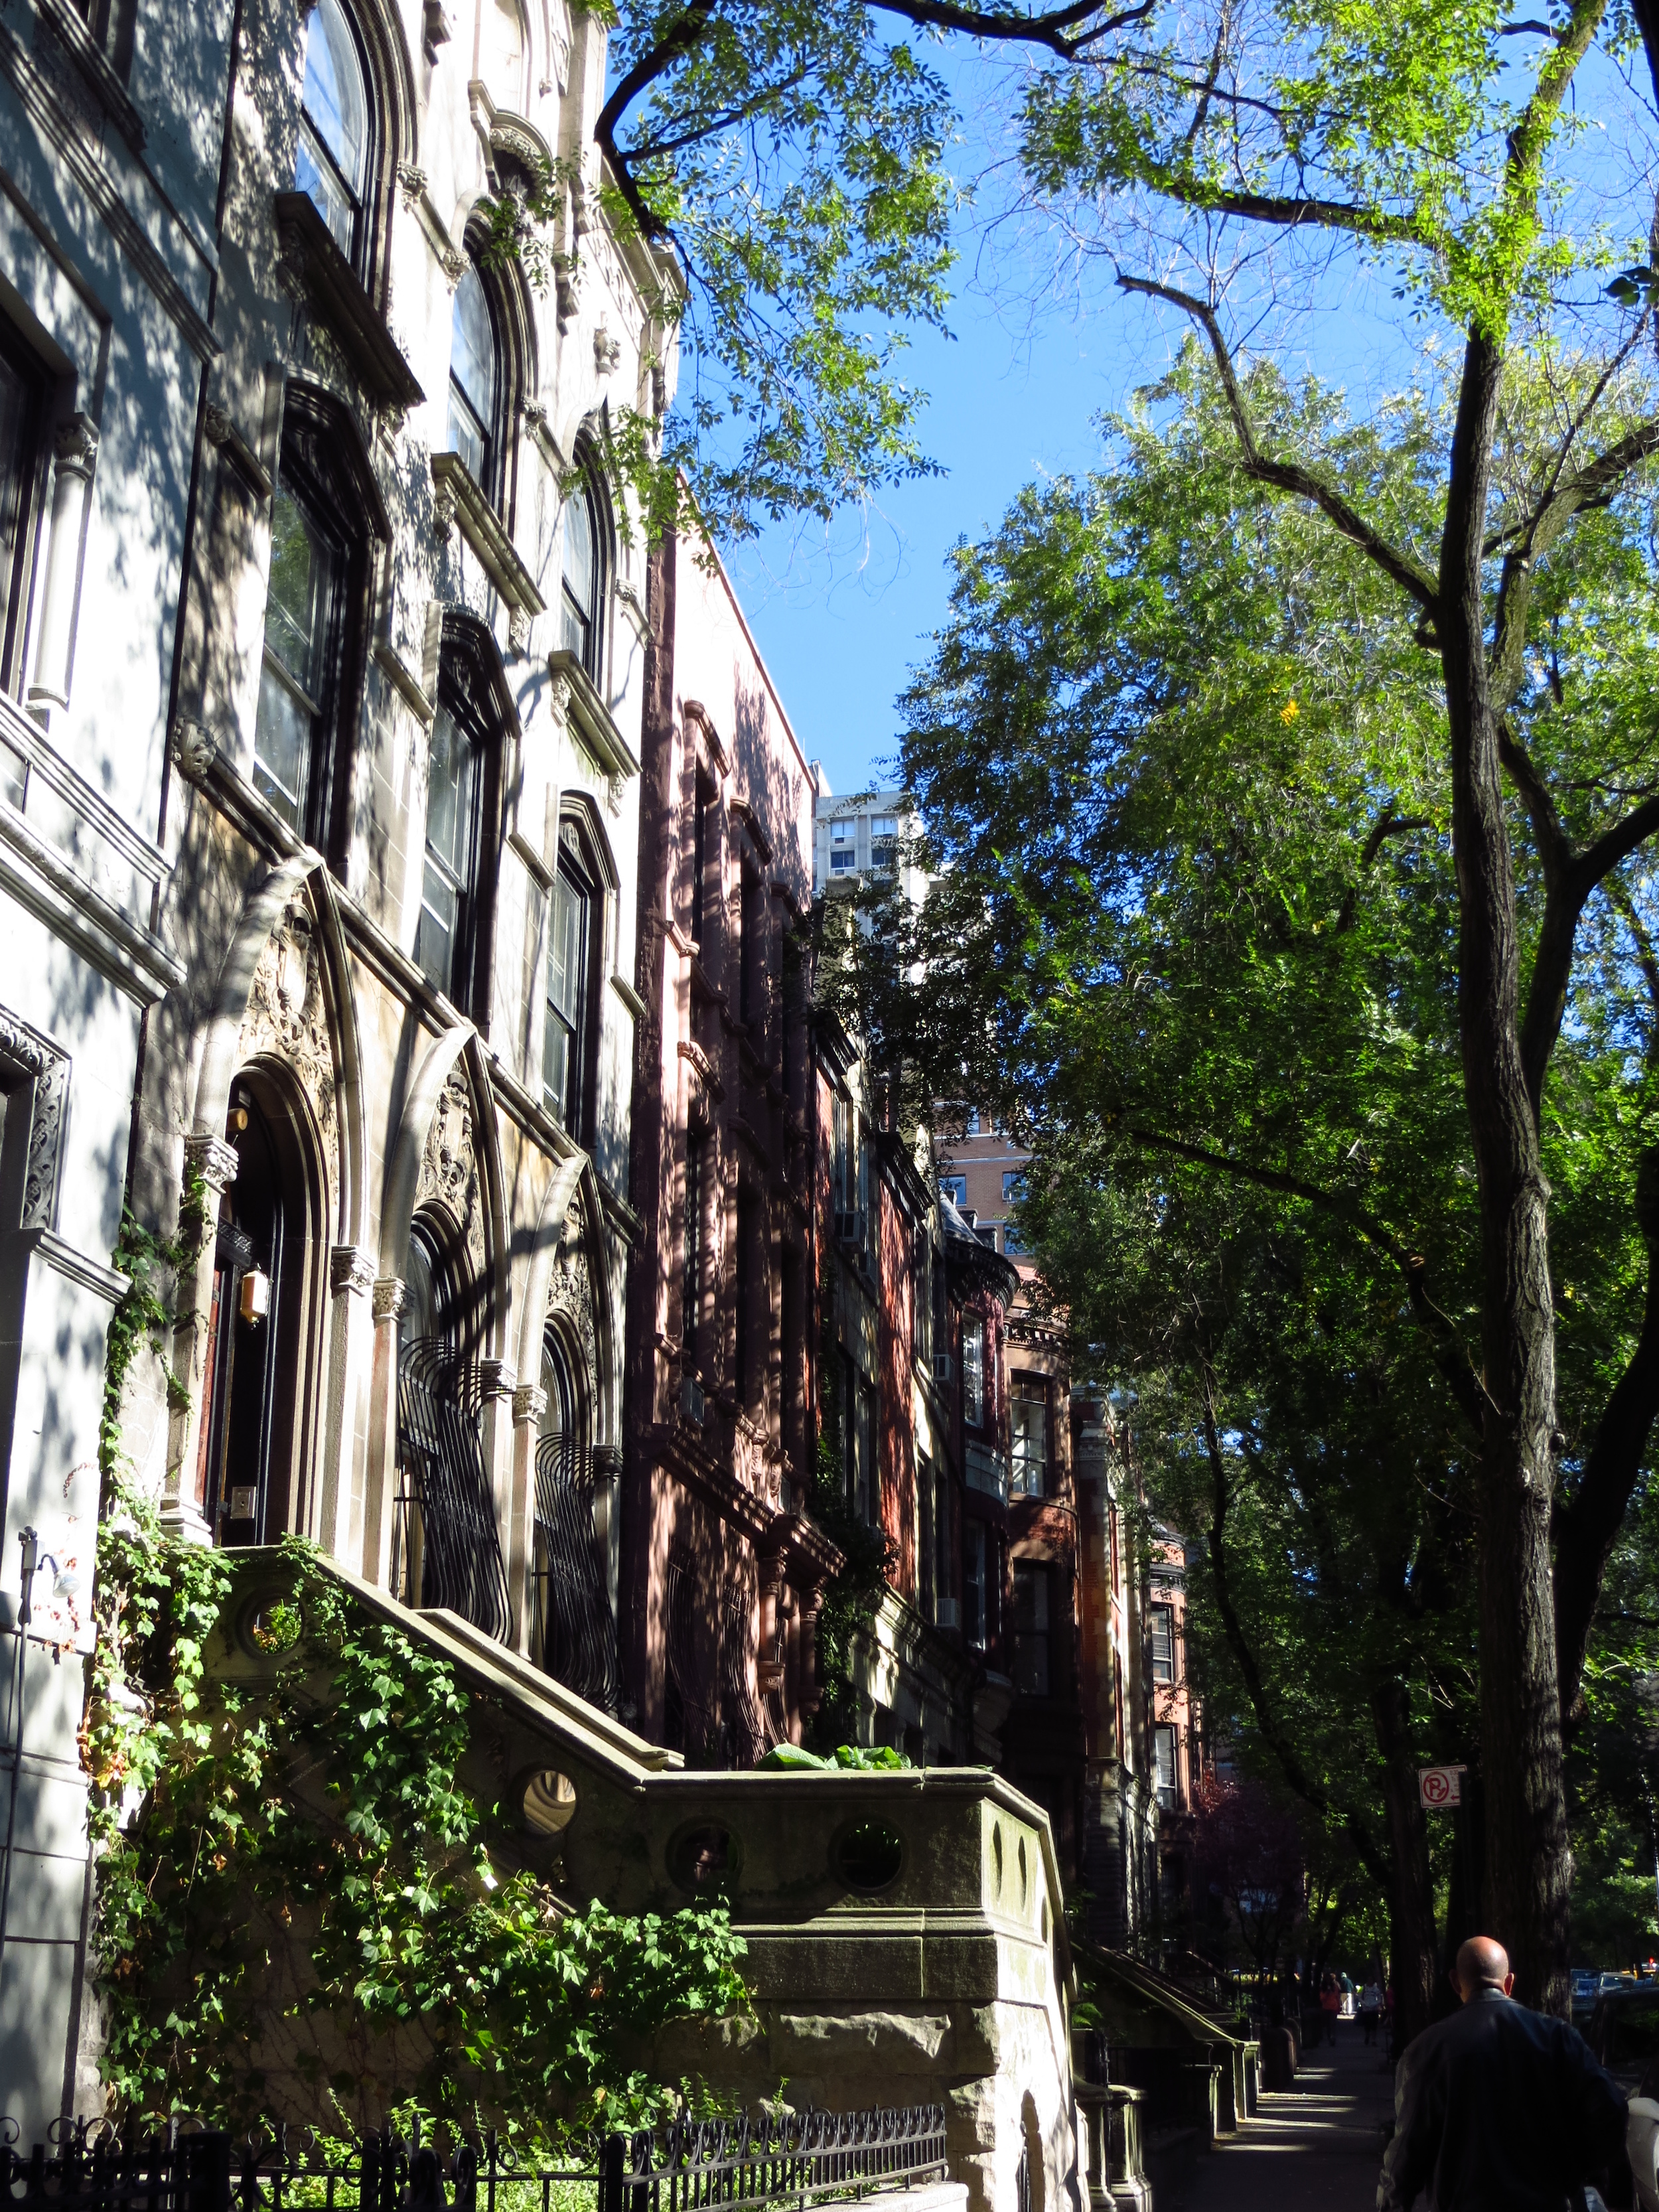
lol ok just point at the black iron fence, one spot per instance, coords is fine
(774, 2159)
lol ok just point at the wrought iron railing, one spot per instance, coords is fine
(572, 1629)
(776, 2159)
(446, 1551)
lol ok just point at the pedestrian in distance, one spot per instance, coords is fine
(1370, 2010)
(1330, 2006)
(1498, 2109)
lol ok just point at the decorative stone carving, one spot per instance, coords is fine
(192, 748)
(35, 1057)
(570, 1293)
(411, 183)
(529, 1404)
(452, 264)
(607, 350)
(391, 1294)
(449, 1165)
(497, 1378)
(517, 629)
(287, 1016)
(351, 1268)
(75, 447)
(443, 514)
(214, 1160)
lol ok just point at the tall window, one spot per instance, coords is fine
(504, 52)
(844, 847)
(1031, 1655)
(883, 841)
(444, 944)
(298, 677)
(474, 379)
(333, 159)
(751, 953)
(973, 1371)
(1163, 1755)
(868, 1477)
(581, 631)
(1164, 1644)
(21, 402)
(1028, 1413)
(571, 942)
(699, 858)
(977, 1554)
(943, 1591)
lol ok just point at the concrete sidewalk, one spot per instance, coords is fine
(1317, 2148)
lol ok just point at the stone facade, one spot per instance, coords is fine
(105, 343)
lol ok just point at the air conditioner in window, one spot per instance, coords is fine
(849, 1228)
(944, 1367)
(691, 1401)
(947, 1612)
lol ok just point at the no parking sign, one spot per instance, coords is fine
(1440, 1786)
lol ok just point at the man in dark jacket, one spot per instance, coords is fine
(1497, 2109)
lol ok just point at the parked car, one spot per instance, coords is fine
(1624, 2033)
(1586, 1988)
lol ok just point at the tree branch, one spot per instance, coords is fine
(1052, 29)
(1390, 825)
(1288, 476)
(1587, 1528)
(1296, 1774)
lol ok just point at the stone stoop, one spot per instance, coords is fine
(905, 1941)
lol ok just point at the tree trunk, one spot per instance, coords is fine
(1528, 1863)
(1411, 1952)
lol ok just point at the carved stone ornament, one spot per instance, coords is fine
(452, 264)
(351, 1268)
(411, 183)
(24, 1052)
(287, 1016)
(390, 1295)
(517, 629)
(75, 447)
(192, 745)
(570, 1293)
(443, 514)
(213, 1158)
(449, 1165)
(607, 350)
(529, 1404)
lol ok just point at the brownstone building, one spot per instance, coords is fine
(720, 1570)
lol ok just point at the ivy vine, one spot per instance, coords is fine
(293, 1882)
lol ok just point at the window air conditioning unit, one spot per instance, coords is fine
(947, 1612)
(944, 1367)
(849, 1228)
(691, 1401)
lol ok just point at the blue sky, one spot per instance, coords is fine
(844, 616)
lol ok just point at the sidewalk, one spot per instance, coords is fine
(1317, 2148)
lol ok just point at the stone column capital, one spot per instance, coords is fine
(214, 1160)
(498, 1377)
(390, 1292)
(529, 1404)
(351, 1268)
(75, 447)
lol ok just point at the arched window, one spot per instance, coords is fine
(332, 165)
(475, 380)
(573, 949)
(582, 600)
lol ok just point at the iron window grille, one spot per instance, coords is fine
(446, 1551)
(573, 1631)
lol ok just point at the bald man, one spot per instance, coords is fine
(1498, 2109)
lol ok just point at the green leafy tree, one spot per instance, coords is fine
(1228, 915)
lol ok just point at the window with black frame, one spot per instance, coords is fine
(1032, 1659)
(299, 680)
(475, 381)
(572, 938)
(332, 163)
(22, 405)
(1163, 1620)
(582, 589)
(445, 941)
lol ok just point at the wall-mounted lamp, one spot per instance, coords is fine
(254, 1302)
